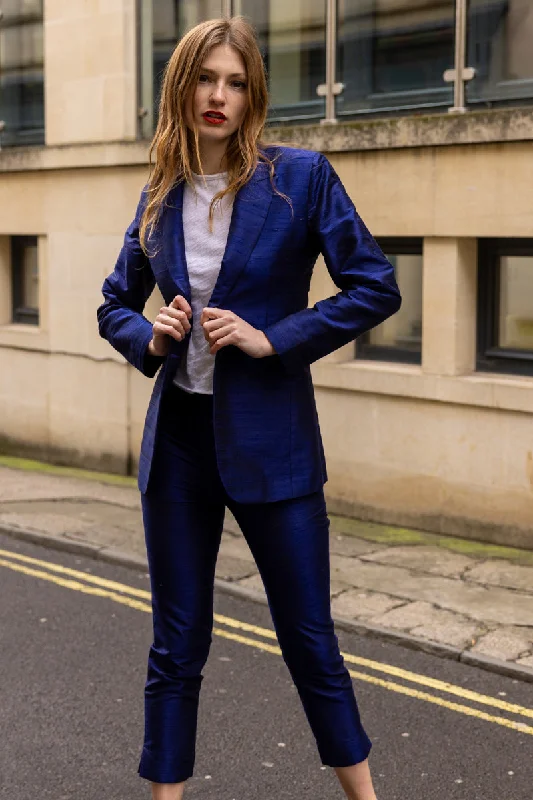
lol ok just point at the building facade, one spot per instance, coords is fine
(425, 109)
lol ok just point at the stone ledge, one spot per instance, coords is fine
(74, 156)
(415, 130)
(484, 390)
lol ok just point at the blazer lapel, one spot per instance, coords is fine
(173, 277)
(250, 210)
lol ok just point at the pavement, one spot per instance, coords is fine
(75, 636)
(457, 598)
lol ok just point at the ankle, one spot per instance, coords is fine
(167, 791)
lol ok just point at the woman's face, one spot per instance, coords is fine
(220, 100)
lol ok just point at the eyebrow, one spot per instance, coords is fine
(233, 75)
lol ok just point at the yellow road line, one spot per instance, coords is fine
(76, 573)
(77, 586)
(393, 687)
(123, 589)
(398, 672)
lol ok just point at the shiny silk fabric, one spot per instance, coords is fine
(267, 435)
(183, 511)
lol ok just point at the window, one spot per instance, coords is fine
(25, 279)
(399, 338)
(292, 38)
(499, 48)
(392, 54)
(162, 24)
(505, 305)
(21, 72)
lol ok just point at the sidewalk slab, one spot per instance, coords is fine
(501, 573)
(506, 643)
(363, 605)
(432, 560)
(493, 605)
(423, 619)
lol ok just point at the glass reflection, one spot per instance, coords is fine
(515, 312)
(171, 19)
(393, 53)
(292, 40)
(500, 33)
(21, 72)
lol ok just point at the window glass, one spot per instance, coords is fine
(25, 269)
(500, 33)
(162, 24)
(516, 302)
(171, 19)
(399, 338)
(292, 38)
(393, 53)
(21, 72)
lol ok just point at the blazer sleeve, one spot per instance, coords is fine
(369, 292)
(126, 290)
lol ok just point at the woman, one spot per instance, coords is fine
(230, 230)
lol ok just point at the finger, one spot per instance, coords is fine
(160, 329)
(180, 302)
(215, 336)
(166, 319)
(212, 313)
(177, 314)
(213, 324)
(168, 322)
(221, 343)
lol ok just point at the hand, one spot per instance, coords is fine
(223, 327)
(172, 321)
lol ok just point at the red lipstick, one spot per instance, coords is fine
(214, 117)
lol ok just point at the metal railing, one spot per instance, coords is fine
(459, 75)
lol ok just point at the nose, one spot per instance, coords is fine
(218, 94)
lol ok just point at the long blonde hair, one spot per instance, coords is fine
(175, 145)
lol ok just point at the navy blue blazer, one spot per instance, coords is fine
(267, 434)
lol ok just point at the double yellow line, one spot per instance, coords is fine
(139, 599)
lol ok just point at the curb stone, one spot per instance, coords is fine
(112, 555)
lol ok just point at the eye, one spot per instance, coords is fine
(203, 78)
(239, 84)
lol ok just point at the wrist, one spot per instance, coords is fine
(269, 349)
(151, 350)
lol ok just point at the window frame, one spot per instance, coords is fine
(365, 351)
(490, 356)
(21, 314)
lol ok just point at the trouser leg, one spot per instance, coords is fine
(183, 512)
(290, 543)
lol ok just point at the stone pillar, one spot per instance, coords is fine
(90, 70)
(5, 280)
(449, 306)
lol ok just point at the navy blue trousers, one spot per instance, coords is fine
(183, 511)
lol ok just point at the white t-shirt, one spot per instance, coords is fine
(204, 251)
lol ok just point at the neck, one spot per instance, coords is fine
(212, 157)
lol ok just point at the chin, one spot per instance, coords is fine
(213, 135)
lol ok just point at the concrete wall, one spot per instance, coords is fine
(437, 445)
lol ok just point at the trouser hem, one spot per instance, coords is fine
(156, 770)
(351, 752)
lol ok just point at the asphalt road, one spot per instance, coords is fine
(72, 669)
